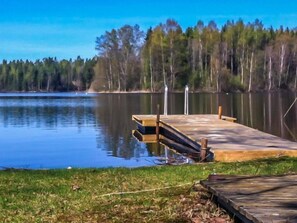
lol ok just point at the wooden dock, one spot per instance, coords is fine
(256, 199)
(228, 141)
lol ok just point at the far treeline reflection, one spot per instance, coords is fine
(111, 114)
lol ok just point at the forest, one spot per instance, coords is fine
(236, 57)
(46, 75)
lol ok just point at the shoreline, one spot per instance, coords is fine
(147, 92)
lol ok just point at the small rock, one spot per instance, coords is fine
(75, 187)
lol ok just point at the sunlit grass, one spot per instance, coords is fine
(76, 195)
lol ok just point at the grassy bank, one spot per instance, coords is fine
(78, 195)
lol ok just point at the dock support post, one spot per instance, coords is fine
(203, 151)
(158, 123)
(220, 112)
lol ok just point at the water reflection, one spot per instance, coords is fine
(46, 112)
(115, 118)
(60, 129)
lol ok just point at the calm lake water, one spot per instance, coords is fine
(57, 130)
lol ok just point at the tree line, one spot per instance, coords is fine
(236, 57)
(47, 75)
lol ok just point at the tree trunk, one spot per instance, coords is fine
(247, 61)
(171, 65)
(163, 62)
(282, 56)
(251, 72)
(119, 82)
(242, 66)
(270, 73)
(200, 58)
(205, 65)
(218, 82)
(193, 57)
(211, 70)
(151, 69)
(38, 85)
(110, 79)
(264, 64)
(224, 54)
(217, 70)
(232, 65)
(48, 83)
(68, 79)
(143, 83)
(287, 73)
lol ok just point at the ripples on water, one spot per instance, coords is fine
(57, 130)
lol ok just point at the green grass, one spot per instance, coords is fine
(76, 195)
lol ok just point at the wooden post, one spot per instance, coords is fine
(203, 150)
(158, 123)
(220, 112)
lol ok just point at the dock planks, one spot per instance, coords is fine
(256, 199)
(229, 141)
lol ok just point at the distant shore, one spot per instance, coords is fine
(143, 91)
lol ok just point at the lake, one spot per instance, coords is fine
(60, 130)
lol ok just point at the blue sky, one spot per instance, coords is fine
(34, 29)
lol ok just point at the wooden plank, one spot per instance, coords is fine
(144, 138)
(258, 199)
(225, 155)
(268, 215)
(145, 120)
(173, 133)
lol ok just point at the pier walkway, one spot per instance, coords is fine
(228, 141)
